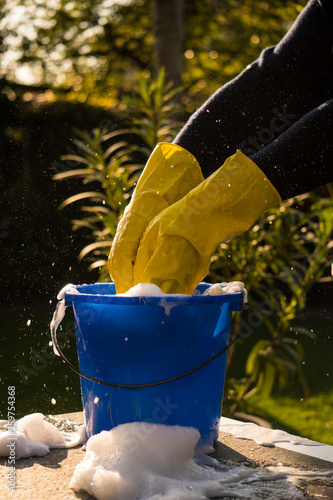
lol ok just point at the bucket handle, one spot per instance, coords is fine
(152, 384)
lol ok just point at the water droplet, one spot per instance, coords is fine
(53, 401)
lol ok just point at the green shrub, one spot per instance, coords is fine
(279, 260)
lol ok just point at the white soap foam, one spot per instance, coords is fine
(151, 290)
(144, 461)
(263, 435)
(143, 290)
(231, 287)
(295, 476)
(70, 288)
(34, 436)
(59, 313)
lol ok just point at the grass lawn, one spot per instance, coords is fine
(311, 418)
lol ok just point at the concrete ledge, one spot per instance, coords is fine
(47, 478)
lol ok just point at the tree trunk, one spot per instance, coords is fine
(169, 38)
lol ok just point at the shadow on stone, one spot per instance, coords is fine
(224, 453)
(52, 460)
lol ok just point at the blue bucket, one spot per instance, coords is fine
(150, 358)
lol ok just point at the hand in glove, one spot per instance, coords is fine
(171, 172)
(176, 247)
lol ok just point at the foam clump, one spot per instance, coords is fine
(34, 436)
(139, 460)
(70, 288)
(144, 290)
(231, 287)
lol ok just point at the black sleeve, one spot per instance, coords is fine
(278, 110)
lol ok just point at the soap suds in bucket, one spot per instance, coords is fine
(151, 290)
(143, 290)
(231, 287)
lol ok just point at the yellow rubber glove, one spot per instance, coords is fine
(177, 245)
(170, 173)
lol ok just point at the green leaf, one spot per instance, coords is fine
(93, 195)
(268, 380)
(83, 172)
(252, 360)
(94, 246)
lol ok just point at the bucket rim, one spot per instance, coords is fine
(105, 293)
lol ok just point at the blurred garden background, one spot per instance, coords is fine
(87, 88)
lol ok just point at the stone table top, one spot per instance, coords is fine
(47, 478)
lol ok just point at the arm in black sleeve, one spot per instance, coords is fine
(301, 158)
(278, 111)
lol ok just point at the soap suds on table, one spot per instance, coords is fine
(140, 461)
(262, 435)
(34, 436)
(144, 461)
